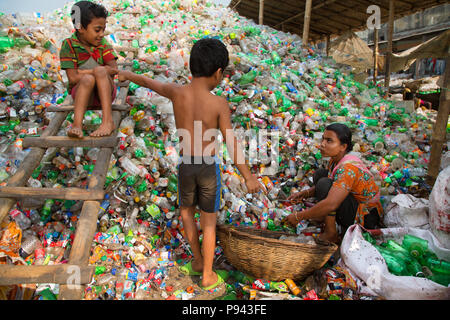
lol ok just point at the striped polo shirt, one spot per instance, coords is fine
(73, 54)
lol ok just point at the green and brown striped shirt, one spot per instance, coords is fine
(73, 54)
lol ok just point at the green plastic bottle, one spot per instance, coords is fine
(395, 265)
(369, 238)
(248, 77)
(142, 186)
(21, 43)
(391, 244)
(275, 58)
(173, 183)
(154, 211)
(6, 43)
(413, 267)
(47, 209)
(237, 98)
(138, 153)
(441, 278)
(230, 296)
(322, 103)
(100, 270)
(47, 294)
(438, 266)
(371, 122)
(416, 246)
(279, 286)
(115, 229)
(242, 278)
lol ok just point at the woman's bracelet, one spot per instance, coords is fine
(296, 217)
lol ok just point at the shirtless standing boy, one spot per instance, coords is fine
(199, 174)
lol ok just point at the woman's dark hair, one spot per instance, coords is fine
(207, 56)
(83, 12)
(343, 133)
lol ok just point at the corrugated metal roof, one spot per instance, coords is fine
(328, 17)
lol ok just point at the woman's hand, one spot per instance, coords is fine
(298, 196)
(293, 219)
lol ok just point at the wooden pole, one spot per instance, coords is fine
(387, 76)
(62, 273)
(327, 45)
(261, 11)
(440, 128)
(30, 163)
(306, 22)
(87, 225)
(51, 193)
(68, 142)
(375, 55)
(114, 107)
(237, 3)
(320, 5)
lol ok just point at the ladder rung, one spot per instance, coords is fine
(61, 273)
(115, 107)
(62, 141)
(52, 193)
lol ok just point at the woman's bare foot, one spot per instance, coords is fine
(331, 237)
(105, 129)
(75, 132)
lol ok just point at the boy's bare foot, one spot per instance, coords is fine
(105, 129)
(209, 279)
(75, 132)
(197, 266)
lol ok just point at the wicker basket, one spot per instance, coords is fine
(260, 254)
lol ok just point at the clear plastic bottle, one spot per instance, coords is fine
(62, 162)
(417, 172)
(161, 202)
(35, 218)
(130, 167)
(92, 154)
(20, 218)
(15, 87)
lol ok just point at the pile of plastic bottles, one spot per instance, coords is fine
(272, 84)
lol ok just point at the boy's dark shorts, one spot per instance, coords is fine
(200, 183)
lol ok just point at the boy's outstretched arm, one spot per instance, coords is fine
(164, 89)
(235, 150)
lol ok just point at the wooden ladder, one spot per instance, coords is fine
(74, 275)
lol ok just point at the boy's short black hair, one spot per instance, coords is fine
(207, 56)
(85, 12)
